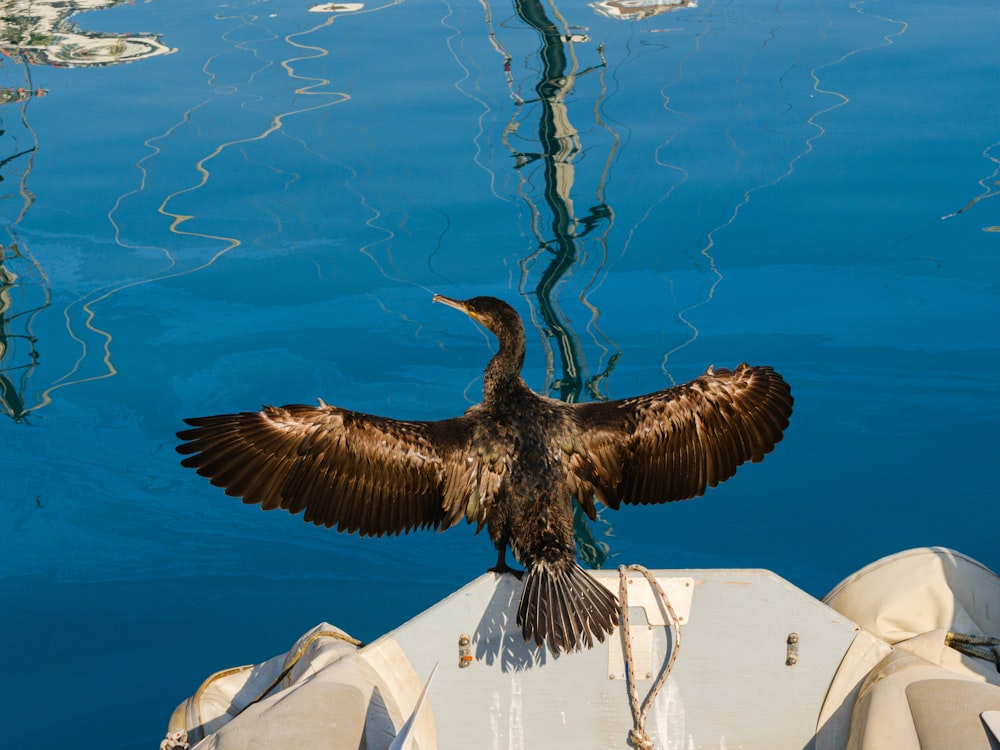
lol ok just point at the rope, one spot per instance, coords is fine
(175, 741)
(978, 646)
(638, 734)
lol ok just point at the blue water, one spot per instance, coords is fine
(262, 216)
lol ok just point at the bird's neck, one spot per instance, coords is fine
(503, 373)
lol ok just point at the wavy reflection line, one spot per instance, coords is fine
(87, 302)
(152, 144)
(546, 184)
(387, 267)
(486, 109)
(705, 251)
(277, 122)
(372, 223)
(990, 185)
(682, 174)
(813, 121)
(177, 220)
(562, 144)
(610, 352)
(887, 41)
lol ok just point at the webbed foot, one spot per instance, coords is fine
(505, 568)
(502, 567)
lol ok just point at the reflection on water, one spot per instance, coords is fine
(990, 187)
(568, 215)
(559, 146)
(18, 352)
(574, 248)
(24, 288)
(39, 32)
(636, 10)
(553, 127)
(560, 232)
(36, 32)
(665, 190)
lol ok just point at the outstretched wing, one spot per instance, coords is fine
(673, 444)
(357, 472)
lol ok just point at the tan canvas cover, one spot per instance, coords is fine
(324, 693)
(924, 695)
(912, 599)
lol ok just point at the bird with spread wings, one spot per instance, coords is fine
(514, 463)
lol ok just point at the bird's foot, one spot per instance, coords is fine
(503, 567)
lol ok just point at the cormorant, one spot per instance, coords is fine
(513, 463)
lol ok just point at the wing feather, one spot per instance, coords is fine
(354, 471)
(674, 444)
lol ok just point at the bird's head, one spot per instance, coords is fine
(492, 313)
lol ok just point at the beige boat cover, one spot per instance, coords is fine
(324, 693)
(924, 695)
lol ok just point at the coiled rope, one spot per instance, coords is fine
(638, 734)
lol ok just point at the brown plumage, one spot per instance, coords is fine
(513, 463)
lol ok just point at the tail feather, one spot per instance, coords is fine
(565, 608)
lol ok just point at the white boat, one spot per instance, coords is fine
(723, 659)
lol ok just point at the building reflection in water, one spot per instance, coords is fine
(635, 10)
(40, 33)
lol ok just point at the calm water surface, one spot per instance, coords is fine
(257, 206)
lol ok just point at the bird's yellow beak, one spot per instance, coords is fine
(456, 303)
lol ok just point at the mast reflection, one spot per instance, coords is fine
(559, 146)
(18, 353)
(24, 288)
